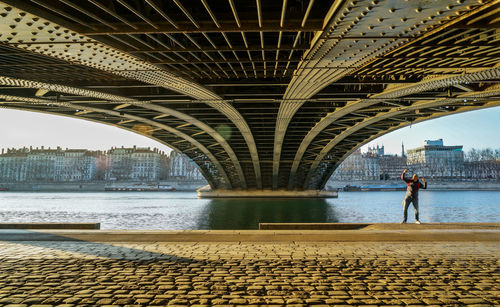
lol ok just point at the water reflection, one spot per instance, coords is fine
(248, 213)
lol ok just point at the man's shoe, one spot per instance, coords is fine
(418, 222)
(403, 222)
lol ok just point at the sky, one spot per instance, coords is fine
(474, 129)
(24, 128)
(478, 129)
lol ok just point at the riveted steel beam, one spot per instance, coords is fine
(391, 93)
(24, 30)
(393, 114)
(128, 101)
(359, 18)
(106, 58)
(204, 27)
(174, 131)
(235, 61)
(218, 49)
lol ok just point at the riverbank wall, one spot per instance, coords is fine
(435, 185)
(91, 186)
(180, 185)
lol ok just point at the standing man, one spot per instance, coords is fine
(411, 195)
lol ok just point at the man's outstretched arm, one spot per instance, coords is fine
(424, 186)
(403, 175)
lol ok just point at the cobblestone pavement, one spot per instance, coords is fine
(359, 273)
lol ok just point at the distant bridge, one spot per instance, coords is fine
(260, 94)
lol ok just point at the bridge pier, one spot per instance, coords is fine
(220, 193)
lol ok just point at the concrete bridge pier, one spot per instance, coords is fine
(207, 192)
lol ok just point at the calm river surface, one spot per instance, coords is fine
(182, 210)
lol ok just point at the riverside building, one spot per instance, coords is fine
(42, 165)
(358, 166)
(181, 167)
(133, 164)
(77, 165)
(435, 160)
(372, 165)
(47, 165)
(149, 165)
(484, 170)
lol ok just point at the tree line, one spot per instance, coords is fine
(486, 154)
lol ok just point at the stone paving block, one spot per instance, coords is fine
(431, 301)
(35, 300)
(470, 301)
(11, 300)
(448, 301)
(219, 301)
(105, 301)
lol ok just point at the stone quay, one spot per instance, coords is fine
(382, 266)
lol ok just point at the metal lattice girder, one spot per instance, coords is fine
(128, 101)
(208, 27)
(325, 176)
(342, 44)
(207, 169)
(23, 30)
(392, 114)
(195, 143)
(391, 93)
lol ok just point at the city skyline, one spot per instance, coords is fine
(117, 164)
(53, 131)
(453, 129)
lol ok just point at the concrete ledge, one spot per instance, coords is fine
(375, 226)
(265, 194)
(405, 234)
(82, 226)
(311, 226)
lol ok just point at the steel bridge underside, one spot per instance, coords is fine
(259, 94)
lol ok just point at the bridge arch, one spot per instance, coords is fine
(209, 175)
(390, 93)
(128, 101)
(459, 107)
(91, 52)
(345, 29)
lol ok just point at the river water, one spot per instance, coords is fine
(182, 210)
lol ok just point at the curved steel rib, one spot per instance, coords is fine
(394, 92)
(174, 131)
(143, 104)
(490, 104)
(92, 53)
(492, 91)
(334, 55)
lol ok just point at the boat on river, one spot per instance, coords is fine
(375, 187)
(140, 187)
